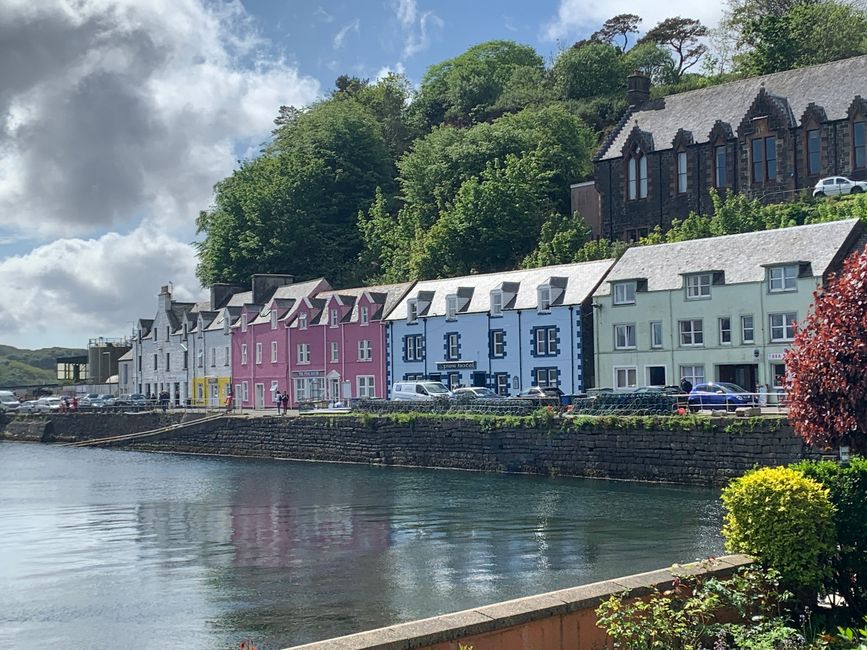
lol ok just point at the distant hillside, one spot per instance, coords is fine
(22, 367)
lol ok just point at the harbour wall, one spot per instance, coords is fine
(698, 451)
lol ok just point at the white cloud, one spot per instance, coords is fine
(577, 19)
(70, 290)
(417, 29)
(386, 70)
(339, 37)
(116, 110)
(120, 115)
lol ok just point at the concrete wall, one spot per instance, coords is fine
(558, 620)
(708, 455)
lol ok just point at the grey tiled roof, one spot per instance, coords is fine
(742, 258)
(385, 296)
(292, 294)
(830, 86)
(578, 280)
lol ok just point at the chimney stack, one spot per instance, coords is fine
(637, 88)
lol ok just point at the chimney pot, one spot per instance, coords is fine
(637, 88)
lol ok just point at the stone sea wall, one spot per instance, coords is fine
(703, 451)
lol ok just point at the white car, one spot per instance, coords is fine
(8, 401)
(838, 186)
(47, 404)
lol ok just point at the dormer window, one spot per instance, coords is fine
(496, 303)
(302, 320)
(412, 311)
(273, 319)
(624, 292)
(332, 318)
(451, 307)
(543, 295)
(636, 176)
(365, 315)
(783, 278)
(243, 322)
(226, 323)
(698, 286)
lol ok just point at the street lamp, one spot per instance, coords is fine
(108, 374)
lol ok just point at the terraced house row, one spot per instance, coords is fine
(720, 309)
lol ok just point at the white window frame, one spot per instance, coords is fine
(624, 292)
(258, 353)
(691, 376)
(302, 353)
(333, 317)
(273, 319)
(454, 342)
(451, 307)
(411, 311)
(722, 320)
(364, 315)
(692, 333)
(273, 351)
(656, 342)
(786, 324)
(213, 357)
(626, 370)
(335, 352)
(543, 298)
(624, 336)
(682, 175)
(782, 279)
(365, 350)
(243, 354)
(632, 178)
(502, 385)
(698, 286)
(243, 322)
(498, 344)
(751, 329)
(365, 386)
(302, 320)
(642, 177)
(496, 303)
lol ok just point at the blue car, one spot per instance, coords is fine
(716, 395)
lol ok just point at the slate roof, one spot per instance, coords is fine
(127, 356)
(742, 258)
(288, 296)
(832, 86)
(578, 282)
(383, 296)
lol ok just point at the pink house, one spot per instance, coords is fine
(337, 343)
(260, 337)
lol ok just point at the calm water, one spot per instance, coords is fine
(108, 549)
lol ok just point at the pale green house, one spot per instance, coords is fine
(718, 309)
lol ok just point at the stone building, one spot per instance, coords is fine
(768, 137)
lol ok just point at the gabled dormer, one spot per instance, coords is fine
(550, 293)
(458, 302)
(503, 297)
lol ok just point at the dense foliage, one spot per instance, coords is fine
(471, 171)
(784, 520)
(847, 488)
(827, 380)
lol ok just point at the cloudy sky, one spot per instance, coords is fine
(118, 116)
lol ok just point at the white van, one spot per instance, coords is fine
(419, 390)
(8, 401)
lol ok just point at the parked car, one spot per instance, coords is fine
(419, 390)
(475, 392)
(28, 407)
(106, 400)
(537, 392)
(666, 390)
(134, 399)
(8, 401)
(838, 186)
(714, 395)
(48, 404)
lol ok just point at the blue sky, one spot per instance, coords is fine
(118, 116)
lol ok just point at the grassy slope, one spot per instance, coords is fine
(21, 367)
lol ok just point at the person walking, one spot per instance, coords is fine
(285, 400)
(229, 403)
(278, 400)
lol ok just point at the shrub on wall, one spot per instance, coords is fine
(784, 520)
(847, 486)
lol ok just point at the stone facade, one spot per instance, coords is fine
(769, 137)
(708, 455)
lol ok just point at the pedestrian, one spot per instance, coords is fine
(685, 385)
(164, 400)
(278, 400)
(74, 403)
(285, 401)
(229, 402)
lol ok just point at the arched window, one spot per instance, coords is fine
(631, 179)
(636, 176)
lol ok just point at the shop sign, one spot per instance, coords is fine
(308, 373)
(775, 356)
(456, 365)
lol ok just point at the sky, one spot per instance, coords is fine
(117, 117)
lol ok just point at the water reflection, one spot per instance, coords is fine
(104, 548)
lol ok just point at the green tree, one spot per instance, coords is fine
(465, 90)
(653, 60)
(294, 209)
(593, 70)
(682, 36)
(387, 241)
(621, 25)
(564, 240)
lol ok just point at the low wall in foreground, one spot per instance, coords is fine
(558, 620)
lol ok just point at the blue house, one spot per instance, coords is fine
(507, 331)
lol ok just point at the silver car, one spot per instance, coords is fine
(838, 186)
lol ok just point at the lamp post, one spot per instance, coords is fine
(108, 373)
